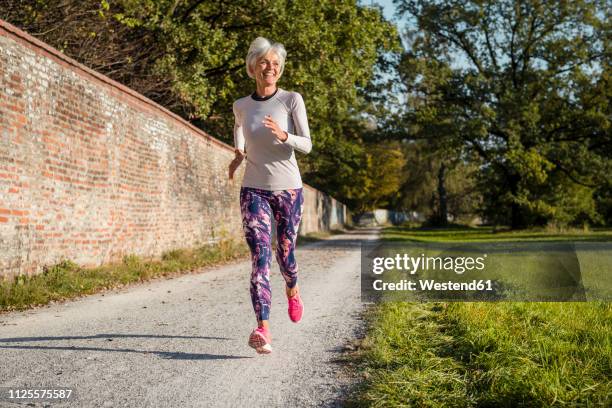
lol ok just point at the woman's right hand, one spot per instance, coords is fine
(233, 166)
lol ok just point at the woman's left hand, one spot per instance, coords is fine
(278, 132)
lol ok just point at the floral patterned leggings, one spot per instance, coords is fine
(258, 207)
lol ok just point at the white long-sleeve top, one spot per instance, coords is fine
(271, 164)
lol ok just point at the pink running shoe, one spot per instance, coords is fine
(296, 308)
(260, 340)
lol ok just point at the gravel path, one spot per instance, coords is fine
(182, 342)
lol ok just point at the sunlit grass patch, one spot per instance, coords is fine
(478, 354)
(486, 355)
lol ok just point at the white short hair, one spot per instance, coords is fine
(258, 49)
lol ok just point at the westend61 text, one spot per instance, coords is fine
(430, 284)
(412, 264)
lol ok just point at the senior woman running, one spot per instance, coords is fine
(270, 124)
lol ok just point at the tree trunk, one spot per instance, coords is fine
(443, 202)
(517, 217)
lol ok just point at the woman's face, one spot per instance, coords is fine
(267, 69)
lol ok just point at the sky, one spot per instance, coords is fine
(388, 13)
(388, 7)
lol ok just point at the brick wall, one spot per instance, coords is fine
(91, 170)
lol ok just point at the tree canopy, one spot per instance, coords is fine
(525, 85)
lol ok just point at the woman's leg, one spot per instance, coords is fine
(257, 226)
(287, 210)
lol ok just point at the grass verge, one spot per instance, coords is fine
(67, 280)
(486, 354)
(489, 234)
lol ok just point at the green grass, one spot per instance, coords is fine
(488, 234)
(486, 354)
(67, 280)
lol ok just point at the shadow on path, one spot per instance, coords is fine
(163, 354)
(106, 336)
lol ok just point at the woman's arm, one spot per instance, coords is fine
(239, 144)
(239, 141)
(233, 166)
(301, 140)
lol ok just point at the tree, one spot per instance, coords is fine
(438, 187)
(527, 88)
(363, 175)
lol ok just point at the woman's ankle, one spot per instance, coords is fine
(291, 292)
